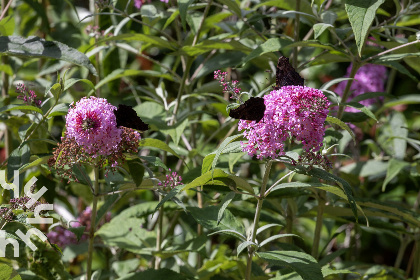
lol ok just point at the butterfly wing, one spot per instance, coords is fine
(252, 110)
(127, 117)
(286, 75)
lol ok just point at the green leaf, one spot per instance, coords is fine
(163, 273)
(120, 73)
(210, 45)
(394, 168)
(319, 28)
(223, 146)
(155, 143)
(56, 90)
(207, 163)
(322, 174)
(362, 108)
(244, 245)
(233, 159)
(78, 231)
(226, 200)
(342, 125)
(183, 11)
(327, 271)
(40, 48)
(305, 265)
(7, 26)
(394, 57)
(153, 40)
(261, 229)
(207, 217)
(154, 161)
(176, 132)
(15, 107)
(70, 82)
(404, 100)
(109, 201)
(232, 6)
(7, 272)
(277, 236)
(399, 132)
(219, 177)
(230, 232)
(18, 158)
(169, 196)
(290, 5)
(361, 14)
(136, 171)
(270, 46)
(59, 110)
(37, 162)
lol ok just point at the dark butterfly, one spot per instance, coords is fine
(286, 75)
(127, 117)
(252, 110)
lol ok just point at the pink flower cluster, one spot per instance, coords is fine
(91, 123)
(139, 3)
(228, 87)
(29, 96)
(369, 78)
(172, 180)
(64, 237)
(292, 112)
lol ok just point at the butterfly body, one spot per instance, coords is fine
(127, 117)
(252, 110)
(286, 75)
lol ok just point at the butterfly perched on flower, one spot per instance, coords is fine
(127, 117)
(253, 109)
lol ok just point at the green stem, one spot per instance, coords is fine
(403, 246)
(159, 232)
(319, 222)
(347, 89)
(261, 197)
(296, 38)
(416, 262)
(93, 222)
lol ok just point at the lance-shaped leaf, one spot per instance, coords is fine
(304, 264)
(40, 48)
(361, 14)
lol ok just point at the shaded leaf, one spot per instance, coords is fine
(361, 14)
(40, 48)
(305, 265)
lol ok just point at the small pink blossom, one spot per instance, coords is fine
(292, 112)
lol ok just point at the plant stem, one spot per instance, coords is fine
(256, 219)
(319, 222)
(93, 222)
(296, 38)
(346, 93)
(159, 232)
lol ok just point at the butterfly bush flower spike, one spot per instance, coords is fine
(369, 78)
(292, 112)
(92, 137)
(28, 96)
(228, 87)
(172, 180)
